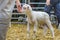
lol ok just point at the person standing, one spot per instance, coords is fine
(56, 5)
(6, 8)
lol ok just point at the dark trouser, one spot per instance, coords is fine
(57, 10)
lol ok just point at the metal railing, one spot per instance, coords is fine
(31, 3)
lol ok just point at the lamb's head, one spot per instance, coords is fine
(26, 8)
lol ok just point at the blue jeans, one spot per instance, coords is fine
(56, 9)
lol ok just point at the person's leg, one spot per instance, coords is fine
(57, 12)
(3, 31)
(4, 24)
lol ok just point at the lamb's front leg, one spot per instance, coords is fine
(28, 30)
(35, 29)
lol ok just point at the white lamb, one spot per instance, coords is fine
(35, 18)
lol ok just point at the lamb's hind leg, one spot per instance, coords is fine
(50, 26)
(45, 30)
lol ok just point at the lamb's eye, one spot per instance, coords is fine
(24, 8)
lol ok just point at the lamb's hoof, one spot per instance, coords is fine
(34, 36)
(9, 26)
(49, 37)
(28, 38)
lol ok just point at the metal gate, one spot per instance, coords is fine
(21, 16)
(37, 5)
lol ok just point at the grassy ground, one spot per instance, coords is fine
(18, 32)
